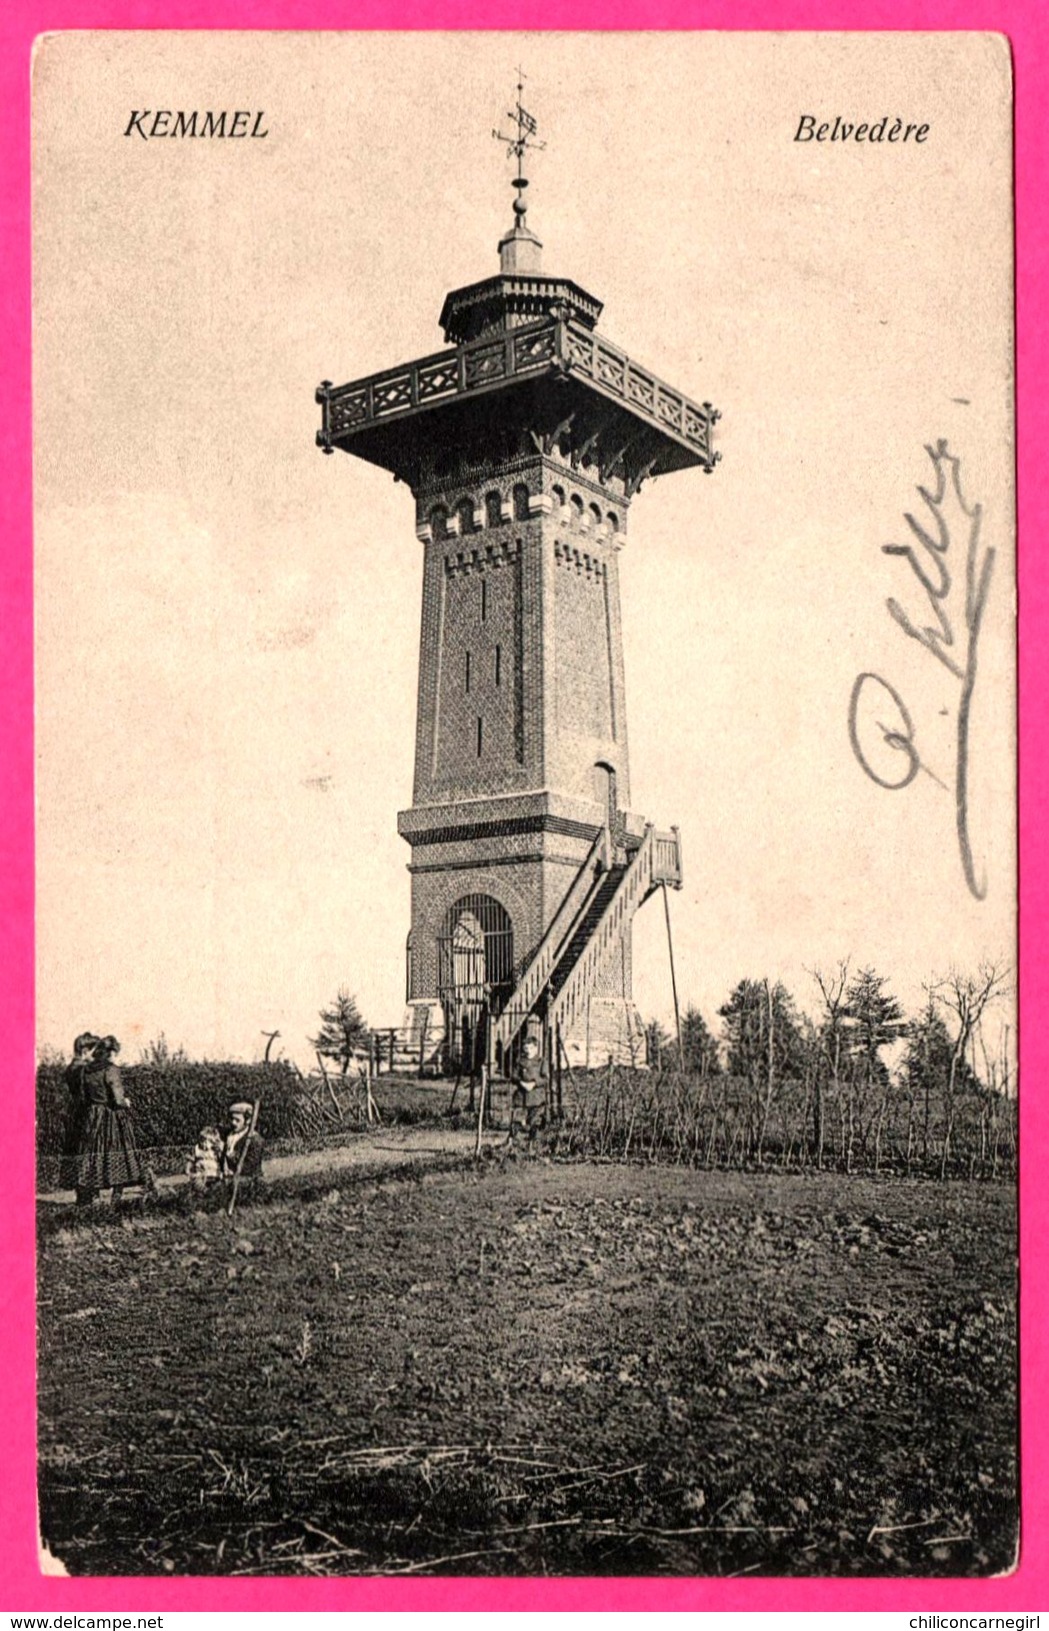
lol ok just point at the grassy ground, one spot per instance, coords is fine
(538, 1368)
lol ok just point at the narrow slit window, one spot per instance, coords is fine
(498, 665)
(484, 599)
(467, 671)
(480, 735)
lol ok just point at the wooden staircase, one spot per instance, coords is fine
(600, 899)
(563, 973)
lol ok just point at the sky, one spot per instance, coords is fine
(227, 622)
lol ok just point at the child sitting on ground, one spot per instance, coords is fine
(205, 1164)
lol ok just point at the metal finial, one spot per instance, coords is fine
(519, 144)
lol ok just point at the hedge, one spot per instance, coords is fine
(171, 1103)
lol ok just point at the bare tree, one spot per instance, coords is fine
(966, 998)
(832, 1040)
(161, 1055)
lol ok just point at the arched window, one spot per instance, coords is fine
(439, 521)
(520, 502)
(604, 784)
(613, 520)
(577, 509)
(493, 509)
(559, 497)
(465, 511)
(595, 515)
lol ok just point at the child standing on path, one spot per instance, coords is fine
(531, 1081)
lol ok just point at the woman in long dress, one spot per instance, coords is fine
(106, 1155)
(83, 1049)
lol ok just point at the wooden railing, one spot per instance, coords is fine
(613, 372)
(349, 408)
(492, 360)
(541, 966)
(666, 858)
(658, 860)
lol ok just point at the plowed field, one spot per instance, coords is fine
(538, 1369)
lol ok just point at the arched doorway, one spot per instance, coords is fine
(475, 970)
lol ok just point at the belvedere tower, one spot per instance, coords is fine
(523, 444)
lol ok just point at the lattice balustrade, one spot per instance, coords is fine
(641, 389)
(531, 350)
(348, 411)
(611, 370)
(390, 395)
(484, 363)
(437, 379)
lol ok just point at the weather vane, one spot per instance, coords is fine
(520, 144)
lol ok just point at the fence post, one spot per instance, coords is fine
(486, 1055)
(480, 1107)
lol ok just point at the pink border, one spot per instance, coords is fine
(1026, 22)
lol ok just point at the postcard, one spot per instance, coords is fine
(526, 804)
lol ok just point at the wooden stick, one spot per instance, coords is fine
(451, 1557)
(240, 1160)
(559, 1070)
(480, 1107)
(331, 1090)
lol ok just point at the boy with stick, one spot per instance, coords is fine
(242, 1148)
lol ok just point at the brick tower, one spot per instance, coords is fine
(523, 446)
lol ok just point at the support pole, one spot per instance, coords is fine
(468, 1030)
(480, 1107)
(673, 979)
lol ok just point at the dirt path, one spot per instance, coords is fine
(385, 1147)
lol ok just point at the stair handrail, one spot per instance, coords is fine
(635, 886)
(562, 925)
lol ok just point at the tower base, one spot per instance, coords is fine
(613, 1033)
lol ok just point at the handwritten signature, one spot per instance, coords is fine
(932, 568)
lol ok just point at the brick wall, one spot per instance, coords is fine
(520, 689)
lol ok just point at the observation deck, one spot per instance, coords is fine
(642, 426)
